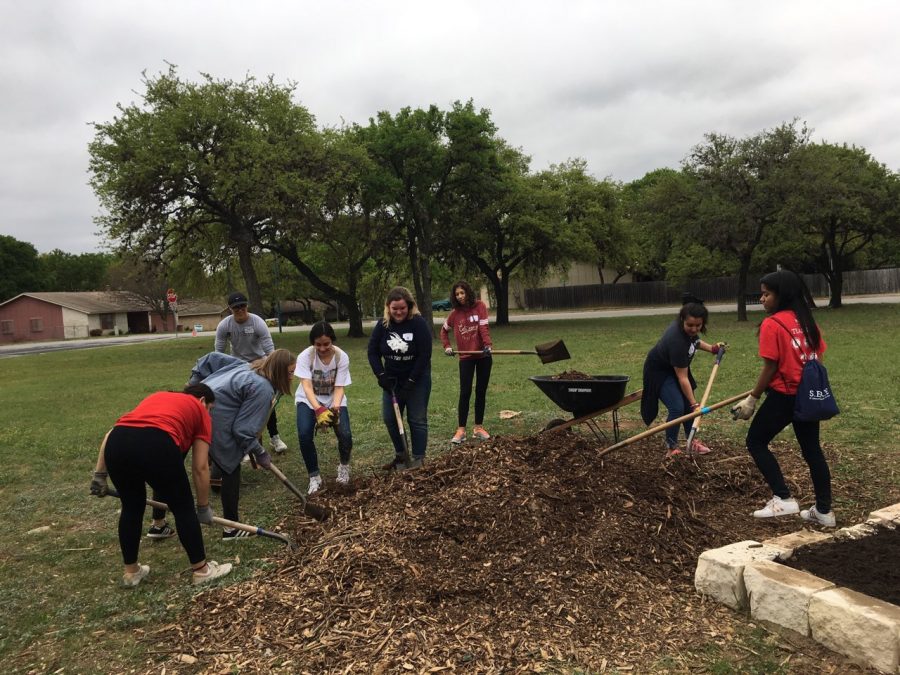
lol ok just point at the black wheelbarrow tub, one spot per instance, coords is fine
(582, 397)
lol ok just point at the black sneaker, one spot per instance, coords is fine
(163, 532)
(394, 464)
(228, 535)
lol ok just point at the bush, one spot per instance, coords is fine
(96, 332)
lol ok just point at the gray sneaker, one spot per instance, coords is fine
(132, 579)
(213, 571)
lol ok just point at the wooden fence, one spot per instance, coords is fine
(721, 289)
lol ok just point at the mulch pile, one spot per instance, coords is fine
(516, 555)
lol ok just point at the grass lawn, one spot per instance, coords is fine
(61, 609)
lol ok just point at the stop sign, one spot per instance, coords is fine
(171, 297)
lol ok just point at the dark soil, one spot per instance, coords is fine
(870, 565)
(572, 375)
(516, 555)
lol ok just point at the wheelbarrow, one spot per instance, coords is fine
(587, 399)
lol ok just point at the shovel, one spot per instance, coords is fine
(712, 376)
(407, 459)
(548, 352)
(678, 420)
(311, 510)
(224, 522)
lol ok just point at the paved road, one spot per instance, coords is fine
(90, 343)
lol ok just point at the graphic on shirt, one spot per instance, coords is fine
(397, 343)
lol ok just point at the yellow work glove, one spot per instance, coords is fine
(324, 417)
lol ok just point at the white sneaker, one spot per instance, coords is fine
(812, 515)
(132, 579)
(278, 445)
(777, 506)
(213, 571)
(315, 484)
(245, 459)
(343, 474)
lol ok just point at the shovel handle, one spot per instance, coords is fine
(502, 352)
(712, 376)
(672, 423)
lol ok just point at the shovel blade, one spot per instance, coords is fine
(550, 352)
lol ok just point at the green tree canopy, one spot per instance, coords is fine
(20, 269)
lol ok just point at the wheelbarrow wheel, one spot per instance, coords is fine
(555, 422)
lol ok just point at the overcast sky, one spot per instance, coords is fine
(629, 86)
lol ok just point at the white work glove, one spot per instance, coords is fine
(449, 351)
(744, 409)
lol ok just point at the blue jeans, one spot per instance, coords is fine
(306, 432)
(416, 407)
(673, 398)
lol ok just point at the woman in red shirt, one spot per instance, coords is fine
(468, 321)
(787, 338)
(147, 447)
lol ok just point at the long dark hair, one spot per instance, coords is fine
(791, 293)
(470, 295)
(693, 307)
(320, 329)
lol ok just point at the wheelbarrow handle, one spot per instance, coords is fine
(499, 351)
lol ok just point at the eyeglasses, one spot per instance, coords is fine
(238, 307)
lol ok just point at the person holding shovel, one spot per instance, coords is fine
(324, 371)
(147, 446)
(244, 393)
(399, 354)
(788, 336)
(667, 372)
(468, 321)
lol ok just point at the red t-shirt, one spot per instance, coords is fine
(182, 416)
(790, 351)
(470, 330)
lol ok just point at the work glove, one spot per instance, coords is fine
(487, 350)
(263, 459)
(205, 514)
(386, 382)
(406, 390)
(335, 416)
(448, 351)
(99, 486)
(744, 409)
(324, 417)
(719, 346)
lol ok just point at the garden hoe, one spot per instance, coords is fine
(548, 352)
(678, 420)
(712, 376)
(224, 522)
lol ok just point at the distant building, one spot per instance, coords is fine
(61, 316)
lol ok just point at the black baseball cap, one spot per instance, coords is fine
(237, 298)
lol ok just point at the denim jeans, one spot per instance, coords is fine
(673, 398)
(416, 407)
(775, 413)
(306, 430)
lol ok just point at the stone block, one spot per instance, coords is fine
(856, 531)
(720, 571)
(889, 514)
(863, 628)
(788, 543)
(781, 595)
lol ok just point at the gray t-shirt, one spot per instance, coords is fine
(250, 340)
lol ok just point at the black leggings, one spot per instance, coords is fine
(231, 491)
(775, 413)
(272, 424)
(467, 370)
(140, 456)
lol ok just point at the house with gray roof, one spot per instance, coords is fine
(61, 316)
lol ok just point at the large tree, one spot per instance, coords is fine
(20, 270)
(63, 271)
(199, 161)
(841, 200)
(742, 190)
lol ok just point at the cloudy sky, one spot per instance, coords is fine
(629, 86)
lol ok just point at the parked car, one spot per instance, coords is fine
(272, 323)
(441, 305)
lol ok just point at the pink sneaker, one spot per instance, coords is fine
(698, 448)
(480, 433)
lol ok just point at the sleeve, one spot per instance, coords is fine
(222, 335)
(373, 351)
(677, 351)
(483, 330)
(423, 341)
(252, 416)
(343, 372)
(302, 369)
(445, 329)
(265, 336)
(768, 339)
(203, 426)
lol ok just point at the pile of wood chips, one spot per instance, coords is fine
(516, 555)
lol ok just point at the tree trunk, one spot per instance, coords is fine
(245, 257)
(354, 313)
(836, 286)
(503, 301)
(421, 271)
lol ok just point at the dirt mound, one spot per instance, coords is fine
(518, 554)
